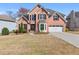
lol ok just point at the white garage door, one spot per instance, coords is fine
(55, 29)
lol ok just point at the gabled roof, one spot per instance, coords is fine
(7, 18)
(50, 11)
(38, 5)
(24, 17)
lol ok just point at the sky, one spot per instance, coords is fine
(64, 8)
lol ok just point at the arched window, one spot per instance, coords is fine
(34, 17)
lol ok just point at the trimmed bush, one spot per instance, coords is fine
(5, 31)
(24, 31)
(21, 28)
(15, 31)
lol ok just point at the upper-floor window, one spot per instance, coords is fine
(42, 16)
(68, 18)
(56, 17)
(34, 17)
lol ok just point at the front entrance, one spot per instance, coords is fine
(42, 27)
(32, 27)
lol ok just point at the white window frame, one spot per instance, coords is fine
(42, 16)
(32, 15)
(45, 27)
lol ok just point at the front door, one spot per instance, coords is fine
(42, 27)
(33, 27)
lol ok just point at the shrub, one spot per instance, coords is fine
(5, 31)
(13, 31)
(66, 30)
(21, 29)
(24, 31)
(16, 31)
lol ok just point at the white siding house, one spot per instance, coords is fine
(6, 21)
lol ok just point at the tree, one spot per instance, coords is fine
(22, 11)
(9, 13)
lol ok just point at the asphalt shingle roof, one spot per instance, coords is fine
(52, 11)
(6, 18)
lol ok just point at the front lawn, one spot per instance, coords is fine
(74, 32)
(35, 44)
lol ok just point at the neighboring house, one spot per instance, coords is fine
(7, 21)
(73, 20)
(40, 19)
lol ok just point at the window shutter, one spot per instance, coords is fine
(38, 16)
(30, 17)
(34, 16)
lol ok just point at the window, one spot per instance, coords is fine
(42, 17)
(19, 26)
(34, 17)
(68, 18)
(33, 27)
(25, 26)
(56, 17)
(42, 26)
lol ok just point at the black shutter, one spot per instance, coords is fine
(30, 17)
(34, 16)
(38, 16)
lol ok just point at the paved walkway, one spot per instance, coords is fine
(71, 38)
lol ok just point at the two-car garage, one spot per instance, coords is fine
(56, 28)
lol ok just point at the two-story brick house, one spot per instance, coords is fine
(40, 19)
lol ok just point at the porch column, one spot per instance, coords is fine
(36, 23)
(28, 27)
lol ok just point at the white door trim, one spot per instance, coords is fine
(45, 27)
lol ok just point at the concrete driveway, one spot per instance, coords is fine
(68, 37)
